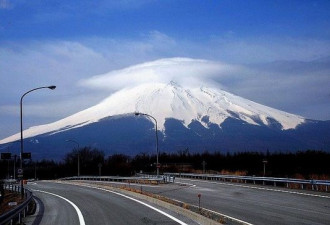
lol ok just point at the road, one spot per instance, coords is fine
(251, 203)
(70, 204)
(254, 204)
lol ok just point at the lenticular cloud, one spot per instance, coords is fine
(190, 72)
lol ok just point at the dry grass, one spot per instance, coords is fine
(185, 206)
(236, 173)
(309, 186)
(10, 197)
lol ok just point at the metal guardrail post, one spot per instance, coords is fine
(315, 184)
(18, 212)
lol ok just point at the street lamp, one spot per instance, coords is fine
(22, 145)
(78, 154)
(145, 114)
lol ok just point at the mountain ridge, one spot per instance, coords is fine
(194, 118)
(170, 100)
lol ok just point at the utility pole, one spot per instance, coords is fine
(204, 165)
(264, 162)
(15, 167)
(35, 171)
(100, 168)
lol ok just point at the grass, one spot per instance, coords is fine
(10, 196)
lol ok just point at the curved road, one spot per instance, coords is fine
(254, 204)
(61, 204)
(251, 203)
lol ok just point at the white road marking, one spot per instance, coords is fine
(190, 185)
(125, 183)
(187, 184)
(139, 185)
(232, 218)
(261, 188)
(80, 216)
(138, 201)
(229, 217)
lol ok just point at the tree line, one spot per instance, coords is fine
(310, 164)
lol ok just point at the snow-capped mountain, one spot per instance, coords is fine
(164, 101)
(198, 118)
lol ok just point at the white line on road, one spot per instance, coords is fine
(261, 188)
(138, 201)
(125, 183)
(220, 214)
(139, 185)
(186, 184)
(80, 216)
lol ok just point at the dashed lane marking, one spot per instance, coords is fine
(261, 188)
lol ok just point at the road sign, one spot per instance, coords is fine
(6, 155)
(26, 155)
(20, 173)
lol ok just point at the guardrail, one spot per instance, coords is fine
(315, 184)
(138, 179)
(19, 212)
(165, 178)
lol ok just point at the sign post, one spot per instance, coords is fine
(20, 173)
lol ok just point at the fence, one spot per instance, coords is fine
(19, 212)
(138, 179)
(315, 184)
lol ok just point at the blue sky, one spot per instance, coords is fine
(282, 50)
(192, 20)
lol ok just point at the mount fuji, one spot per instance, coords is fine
(197, 118)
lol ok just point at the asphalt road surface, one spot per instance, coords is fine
(70, 204)
(255, 204)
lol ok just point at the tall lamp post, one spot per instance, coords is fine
(22, 145)
(145, 114)
(78, 154)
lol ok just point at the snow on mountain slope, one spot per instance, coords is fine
(170, 101)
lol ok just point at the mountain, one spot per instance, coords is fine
(196, 118)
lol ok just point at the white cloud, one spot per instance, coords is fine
(182, 70)
(244, 67)
(267, 49)
(5, 4)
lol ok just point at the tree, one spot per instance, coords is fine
(88, 158)
(119, 164)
